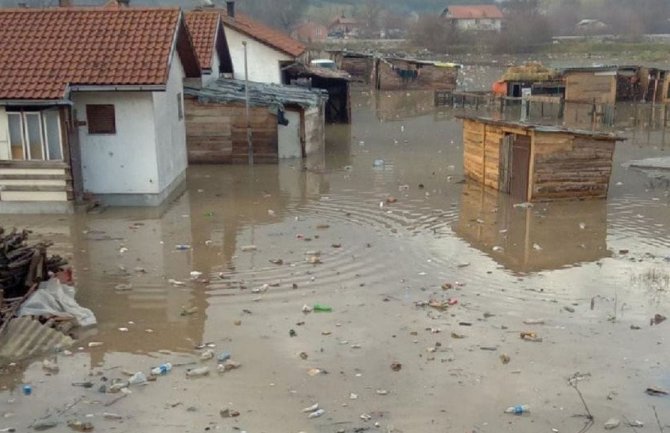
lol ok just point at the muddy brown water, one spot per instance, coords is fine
(507, 264)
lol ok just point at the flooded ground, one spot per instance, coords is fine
(593, 272)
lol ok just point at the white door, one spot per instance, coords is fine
(289, 136)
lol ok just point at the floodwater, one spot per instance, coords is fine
(590, 270)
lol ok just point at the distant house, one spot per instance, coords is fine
(267, 49)
(343, 27)
(211, 47)
(310, 32)
(91, 104)
(474, 17)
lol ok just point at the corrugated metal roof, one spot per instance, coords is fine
(260, 94)
(25, 337)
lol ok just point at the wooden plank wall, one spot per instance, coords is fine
(473, 150)
(587, 87)
(492, 142)
(216, 133)
(428, 77)
(566, 166)
(359, 67)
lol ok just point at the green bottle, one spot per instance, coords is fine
(322, 308)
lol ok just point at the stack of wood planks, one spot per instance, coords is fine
(22, 268)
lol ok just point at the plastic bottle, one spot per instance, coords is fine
(138, 378)
(198, 372)
(518, 409)
(27, 389)
(322, 308)
(162, 369)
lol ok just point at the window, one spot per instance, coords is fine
(180, 106)
(35, 135)
(101, 119)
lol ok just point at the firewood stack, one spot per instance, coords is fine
(22, 268)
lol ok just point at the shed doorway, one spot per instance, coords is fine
(515, 165)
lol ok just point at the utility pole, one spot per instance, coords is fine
(246, 98)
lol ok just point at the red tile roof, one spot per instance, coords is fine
(262, 33)
(203, 26)
(45, 50)
(473, 12)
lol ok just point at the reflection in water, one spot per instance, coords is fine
(378, 258)
(402, 104)
(530, 239)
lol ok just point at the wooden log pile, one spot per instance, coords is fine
(22, 267)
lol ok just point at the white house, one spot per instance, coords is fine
(267, 49)
(209, 41)
(91, 105)
(474, 17)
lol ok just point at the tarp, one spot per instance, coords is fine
(52, 298)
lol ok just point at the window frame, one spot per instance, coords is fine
(22, 116)
(97, 131)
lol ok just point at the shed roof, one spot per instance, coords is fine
(44, 51)
(316, 71)
(542, 128)
(468, 12)
(260, 94)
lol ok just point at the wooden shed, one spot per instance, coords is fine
(536, 163)
(334, 81)
(408, 74)
(285, 122)
(358, 65)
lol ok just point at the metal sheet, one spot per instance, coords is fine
(25, 337)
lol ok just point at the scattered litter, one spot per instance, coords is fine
(534, 321)
(176, 283)
(228, 365)
(505, 358)
(635, 424)
(228, 413)
(223, 356)
(306, 309)
(530, 336)
(655, 391)
(611, 424)
(316, 413)
(188, 311)
(519, 409)
(80, 426)
(207, 355)
(303, 355)
(457, 336)
(197, 372)
(396, 366)
(569, 309)
(95, 344)
(322, 308)
(315, 372)
(249, 248)
(123, 287)
(353, 396)
(182, 247)
(50, 366)
(195, 274)
(45, 424)
(366, 417)
(312, 408)
(657, 319)
(382, 392)
(112, 416)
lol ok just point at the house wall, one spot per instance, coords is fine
(125, 162)
(216, 133)
(263, 61)
(479, 24)
(315, 131)
(590, 87)
(4, 134)
(208, 77)
(170, 131)
(290, 141)
(565, 166)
